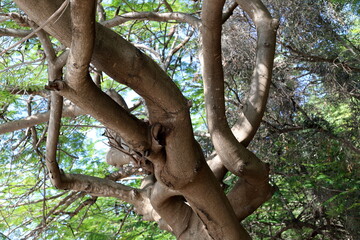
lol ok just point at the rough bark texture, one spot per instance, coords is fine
(184, 195)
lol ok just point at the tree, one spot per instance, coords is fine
(184, 195)
(182, 187)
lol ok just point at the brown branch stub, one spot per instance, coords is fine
(19, 19)
(56, 85)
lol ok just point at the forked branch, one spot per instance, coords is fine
(235, 156)
(254, 108)
(56, 106)
(253, 188)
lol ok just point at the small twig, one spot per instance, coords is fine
(79, 125)
(229, 11)
(124, 219)
(56, 13)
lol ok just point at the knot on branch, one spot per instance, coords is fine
(134, 194)
(275, 23)
(157, 137)
(19, 19)
(56, 85)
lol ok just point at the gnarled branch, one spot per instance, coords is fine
(153, 16)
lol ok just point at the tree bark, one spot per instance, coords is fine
(186, 196)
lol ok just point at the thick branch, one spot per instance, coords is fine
(68, 111)
(53, 138)
(153, 16)
(235, 156)
(128, 66)
(213, 208)
(99, 187)
(82, 41)
(171, 208)
(184, 168)
(83, 38)
(56, 107)
(246, 198)
(229, 11)
(254, 108)
(107, 188)
(80, 88)
(102, 107)
(14, 32)
(207, 214)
